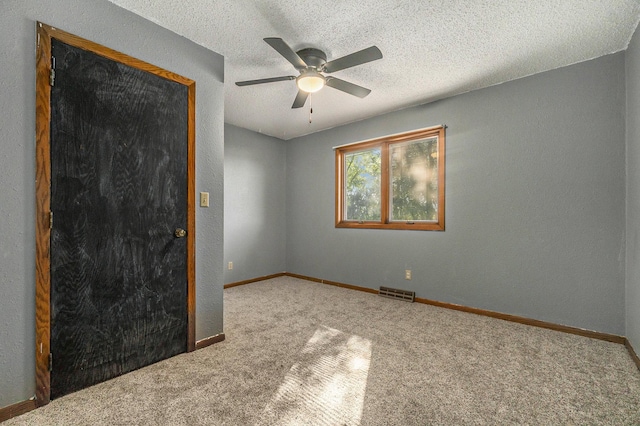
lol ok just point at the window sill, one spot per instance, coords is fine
(415, 226)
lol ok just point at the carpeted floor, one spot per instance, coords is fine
(303, 353)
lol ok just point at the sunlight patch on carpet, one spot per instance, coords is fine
(326, 385)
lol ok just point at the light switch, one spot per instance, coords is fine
(204, 199)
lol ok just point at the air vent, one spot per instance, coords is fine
(395, 293)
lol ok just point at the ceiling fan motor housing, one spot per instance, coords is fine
(313, 57)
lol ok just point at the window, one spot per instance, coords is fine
(395, 182)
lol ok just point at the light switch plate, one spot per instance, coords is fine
(204, 199)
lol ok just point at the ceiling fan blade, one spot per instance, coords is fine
(264, 80)
(350, 88)
(361, 57)
(300, 100)
(283, 48)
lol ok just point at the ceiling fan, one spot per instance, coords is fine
(311, 64)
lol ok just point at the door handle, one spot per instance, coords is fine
(180, 233)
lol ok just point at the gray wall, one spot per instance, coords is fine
(109, 25)
(255, 199)
(535, 196)
(633, 192)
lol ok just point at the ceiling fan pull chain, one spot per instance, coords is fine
(310, 107)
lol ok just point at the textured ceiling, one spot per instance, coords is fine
(432, 48)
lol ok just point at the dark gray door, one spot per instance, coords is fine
(118, 193)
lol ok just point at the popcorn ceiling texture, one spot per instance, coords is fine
(432, 49)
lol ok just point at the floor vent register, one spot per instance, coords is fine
(395, 293)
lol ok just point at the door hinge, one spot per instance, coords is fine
(52, 73)
(50, 220)
(50, 362)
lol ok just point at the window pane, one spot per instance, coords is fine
(362, 185)
(414, 180)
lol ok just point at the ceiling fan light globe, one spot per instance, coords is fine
(310, 82)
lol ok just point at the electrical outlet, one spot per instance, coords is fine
(407, 274)
(230, 265)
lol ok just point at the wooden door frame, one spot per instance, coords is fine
(43, 191)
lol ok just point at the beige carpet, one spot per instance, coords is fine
(302, 353)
